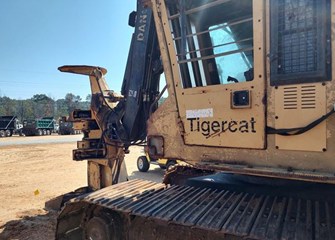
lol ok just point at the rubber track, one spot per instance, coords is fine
(241, 214)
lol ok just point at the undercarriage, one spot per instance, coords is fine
(224, 207)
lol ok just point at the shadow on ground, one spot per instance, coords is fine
(155, 175)
(32, 226)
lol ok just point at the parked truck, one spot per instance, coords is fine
(10, 125)
(38, 127)
(66, 127)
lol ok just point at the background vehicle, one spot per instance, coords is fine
(9, 125)
(66, 127)
(144, 161)
(38, 127)
(250, 108)
(56, 128)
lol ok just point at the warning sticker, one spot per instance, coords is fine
(199, 113)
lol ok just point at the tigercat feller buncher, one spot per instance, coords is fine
(250, 108)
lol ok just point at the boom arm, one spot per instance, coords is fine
(122, 119)
(140, 85)
(141, 80)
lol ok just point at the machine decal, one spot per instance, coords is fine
(132, 93)
(199, 113)
(143, 25)
(215, 128)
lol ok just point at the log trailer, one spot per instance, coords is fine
(250, 109)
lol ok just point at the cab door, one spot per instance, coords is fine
(217, 54)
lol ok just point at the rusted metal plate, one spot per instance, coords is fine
(254, 216)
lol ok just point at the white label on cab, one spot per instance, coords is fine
(199, 113)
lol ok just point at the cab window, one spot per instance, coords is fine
(213, 41)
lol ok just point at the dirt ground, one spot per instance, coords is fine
(31, 175)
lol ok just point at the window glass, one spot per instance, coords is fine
(235, 65)
(300, 41)
(213, 41)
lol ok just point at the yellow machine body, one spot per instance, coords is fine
(223, 125)
(250, 109)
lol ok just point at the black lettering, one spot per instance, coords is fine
(252, 121)
(244, 127)
(205, 128)
(215, 126)
(191, 123)
(223, 128)
(231, 125)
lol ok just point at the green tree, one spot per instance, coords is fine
(25, 109)
(72, 101)
(7, 106)
(61, 108)
(43, 105)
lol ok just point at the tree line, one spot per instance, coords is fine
(41, 105)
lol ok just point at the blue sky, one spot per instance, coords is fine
(38, 36)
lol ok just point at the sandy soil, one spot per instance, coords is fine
(31, 175)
